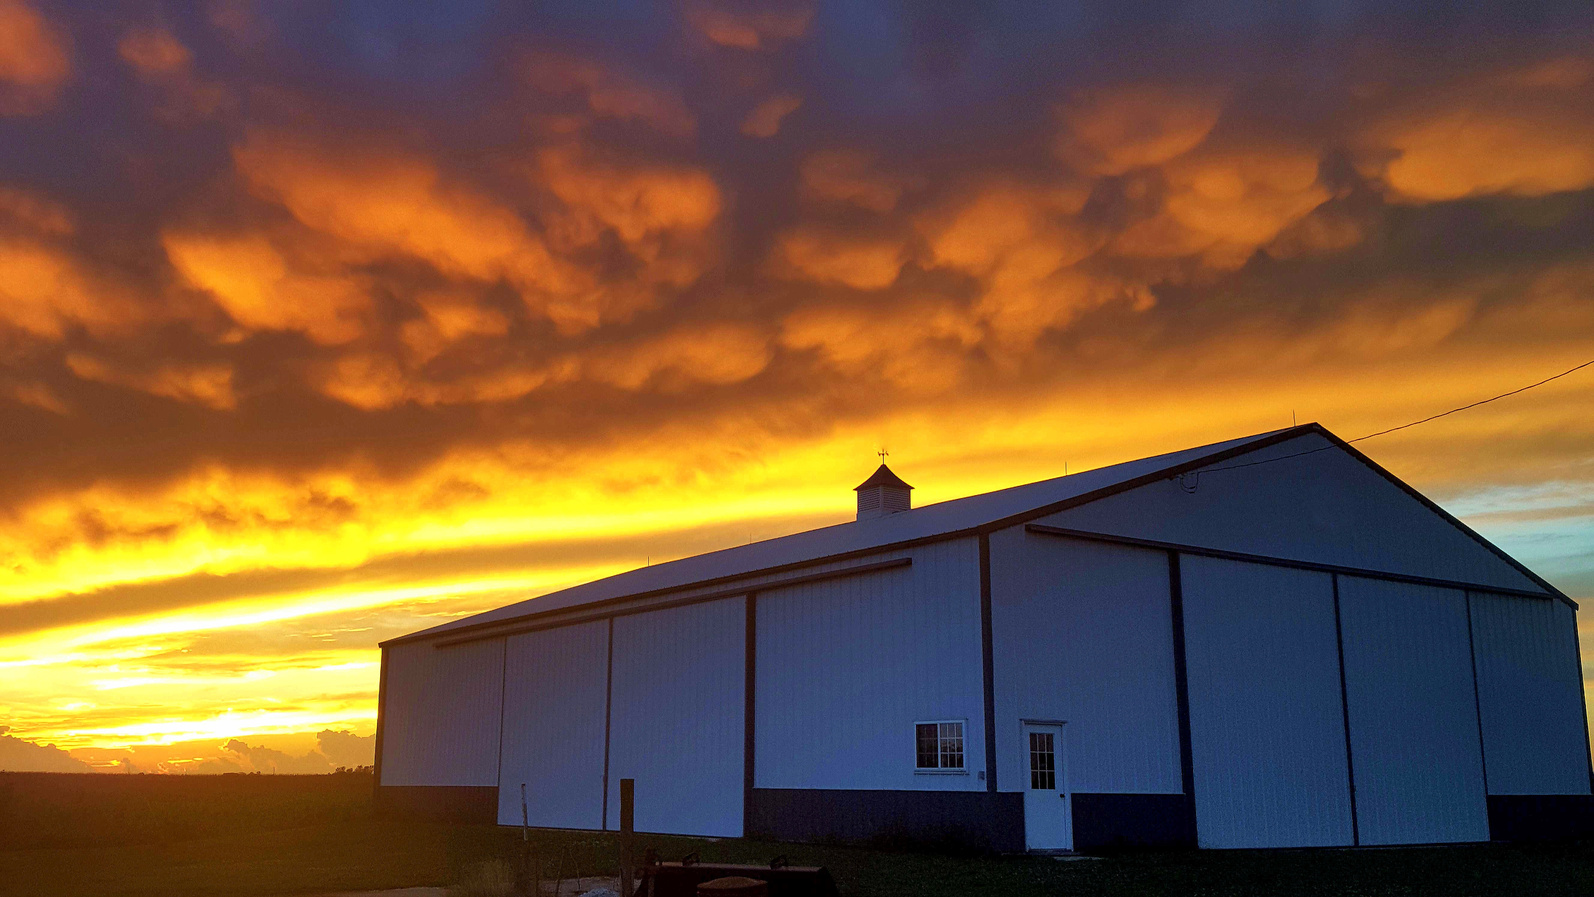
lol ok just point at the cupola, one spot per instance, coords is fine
(882, 494)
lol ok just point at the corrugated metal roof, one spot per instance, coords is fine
(927, 522)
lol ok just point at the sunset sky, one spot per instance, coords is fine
(321, 323)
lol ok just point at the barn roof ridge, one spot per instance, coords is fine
(931, 522)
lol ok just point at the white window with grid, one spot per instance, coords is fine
(938, 746)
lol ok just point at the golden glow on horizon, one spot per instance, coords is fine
(992, 449)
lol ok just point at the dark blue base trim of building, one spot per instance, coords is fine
(1540, 817)
(1113, 821)
(441, 803)
(962, 821)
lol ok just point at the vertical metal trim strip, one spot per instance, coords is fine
(608, 714)
(503, 696)
(1582, 694)
(1181, 685)
(1344, 709)
(749, 707)
(1477, 700)
(987, 662)
(381, 725)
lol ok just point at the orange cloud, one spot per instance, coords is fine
(608, 93)
(449, 316)
(848, 176)
(766, 117)
(1524, 131)
(1469, 152)
(1224, 204)
(1006, 225)
(153, 51)
(35, 214)
(1113, 130)
(388, 205)
(920, 346)
(366, 380)
(35, 394)
(202, 384)
(716, 354)
(639, 202)
(261, 288)
(1383, 325)
(1558, 73)
(1324, 230)
(44, 290)
(660, 213)
(747, 26)
(1019, 242)
(34, 62)
(396, 206)
(825, 257)
(160, 59)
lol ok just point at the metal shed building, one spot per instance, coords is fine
(1267, 642)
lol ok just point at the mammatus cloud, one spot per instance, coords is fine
(853, 177)
(766, 117)
(750, 26)
(329, 333)
(1114, 130)
(1524, 131)
(601, 92)
(35, 60)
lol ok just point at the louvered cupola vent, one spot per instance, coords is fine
(882, 494)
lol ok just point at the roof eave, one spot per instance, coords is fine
(985, 528)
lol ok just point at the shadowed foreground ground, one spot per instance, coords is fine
(275, 836)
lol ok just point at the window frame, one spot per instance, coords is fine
(1050, 753)
(962, 737)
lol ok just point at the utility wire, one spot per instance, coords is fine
(1476, 404)
(1195, 475)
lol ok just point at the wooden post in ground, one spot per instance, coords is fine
(627, 823)
(523, 879)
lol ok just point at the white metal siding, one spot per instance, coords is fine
(1417, 762)
(846, 666)
(555, 687)
(1266, 721)
(1083, 632)
(440, 723)
(1321, 506)
(1529, 688)
(676, 723)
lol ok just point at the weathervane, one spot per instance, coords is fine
(882, 453)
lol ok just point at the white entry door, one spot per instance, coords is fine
(1048, 818)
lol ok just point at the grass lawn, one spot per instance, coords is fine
(277, 836)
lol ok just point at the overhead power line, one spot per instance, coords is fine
(1192, 476)
(1481, 402)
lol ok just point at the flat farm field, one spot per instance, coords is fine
(282, 836)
